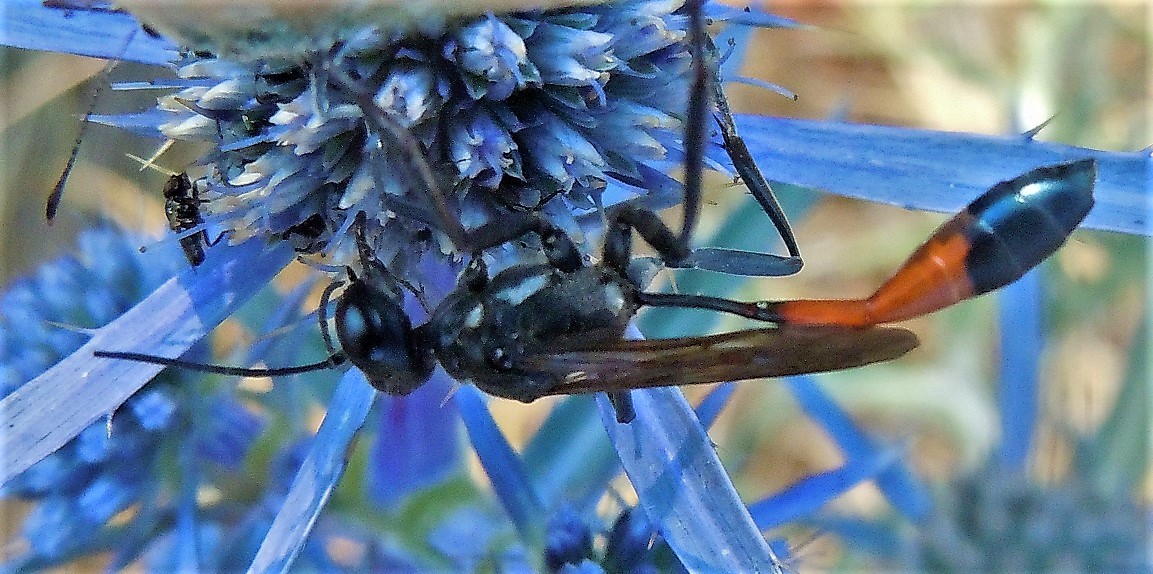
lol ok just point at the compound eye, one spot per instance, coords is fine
(378, 338)
(499, 359)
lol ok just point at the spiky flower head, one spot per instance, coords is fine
(436, 130)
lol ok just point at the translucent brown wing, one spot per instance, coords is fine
(613, 365)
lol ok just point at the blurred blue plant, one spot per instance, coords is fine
(107, 489)
(997, 515)
(190, 473)
(1001, 519)
(566, 106)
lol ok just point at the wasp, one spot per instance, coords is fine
(557, 327)
(552, 328)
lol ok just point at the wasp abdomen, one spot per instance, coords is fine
(1019, 223)
(1000, 236)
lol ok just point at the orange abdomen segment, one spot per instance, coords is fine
(934, 277)
(1000, 236)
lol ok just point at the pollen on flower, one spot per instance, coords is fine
(436, 130)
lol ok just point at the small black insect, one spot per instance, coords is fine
(182, 208)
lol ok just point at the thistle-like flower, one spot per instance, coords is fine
(433, 132)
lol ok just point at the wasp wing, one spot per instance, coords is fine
(614, 365)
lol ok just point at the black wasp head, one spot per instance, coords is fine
(377, 336)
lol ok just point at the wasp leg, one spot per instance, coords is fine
(322, 316)
(740, 262)
(622, 402)
(618, 250)
(208, 243)
(747, 168)
(696, 117)
(729, 261)
(674, 249)
(677, 251)
(383, 124)
(559, 248)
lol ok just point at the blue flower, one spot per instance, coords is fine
(112, 465)
(994, 519)
(548, 107)
(998, 517)
(569, 540)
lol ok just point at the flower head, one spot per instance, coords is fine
(431, 132)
